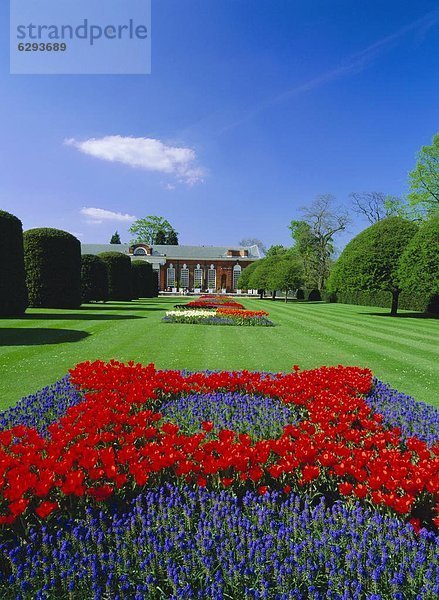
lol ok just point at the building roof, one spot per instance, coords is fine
(179, 252)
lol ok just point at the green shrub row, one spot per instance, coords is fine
(310, 295)
(407, 300)
(43, 268)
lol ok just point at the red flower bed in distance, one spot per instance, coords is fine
(211, 301)
(111, 442)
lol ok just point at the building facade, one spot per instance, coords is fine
(194, 268)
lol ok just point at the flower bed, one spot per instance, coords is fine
(216, 310)
(210, 301)
(187, 544)
(219, 316)
(311, 488)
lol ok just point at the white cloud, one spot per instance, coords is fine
(169, 187)
(96, 216)
(144, 153)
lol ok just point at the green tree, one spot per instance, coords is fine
(370, 261)
(286, 274)
(418, 270)
(115, 238)
(152, 228)
(259, 278)
(325, 220)
(276, 250)
(244, 279)
(172, 238)
(305, 242)
(424, 179)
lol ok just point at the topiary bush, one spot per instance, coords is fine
(119, 275)
(94, 279)
(53, 268)
(314, 295)
(300, 295)
(370, 261)
(13, 293)
(155, 284)
(418, 271)
(142, 279)
(407, 300)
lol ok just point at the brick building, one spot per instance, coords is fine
(199, 268)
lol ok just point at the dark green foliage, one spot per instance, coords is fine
(370, 261)
(154, 230)
(419, 266)
(407, 300)
(53, 268)
(244, 279)
(259, 277)
(94, 279)
(329, 297)
(155, 284)
(286, 272)
(314, 295)
(300, 294)
(172, 238)
(13, 293)
(115, 238)
(424, 179)
(142, 279)
(119, 275)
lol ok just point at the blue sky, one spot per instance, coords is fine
(253, 108)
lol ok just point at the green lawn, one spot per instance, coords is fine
(40, 348)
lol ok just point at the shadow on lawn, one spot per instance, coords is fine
(21, 336)
(407, 315)
(124, 306)
(80, 316)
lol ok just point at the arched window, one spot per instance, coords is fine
(184, 277)
(140, 252)
(211, 278)
(236, 275)
(198, 277)
(170, 276)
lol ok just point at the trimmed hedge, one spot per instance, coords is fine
(314, 295)
(119, 275)
(155, 284)
(13, 293)
(143, 280)
(407, 300)
(53, 268)
(94, 279)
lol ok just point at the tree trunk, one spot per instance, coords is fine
(395, 298)
(273, 295)
(286, 295)
(261, 294)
